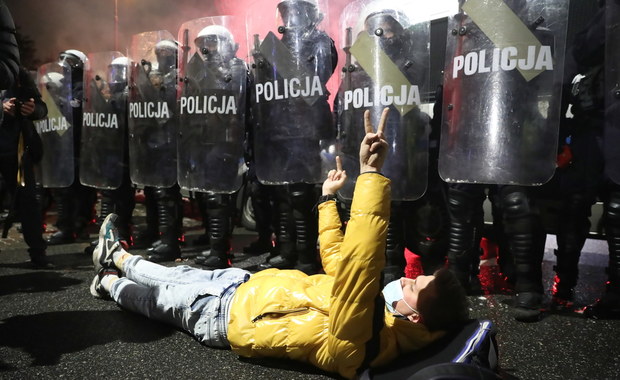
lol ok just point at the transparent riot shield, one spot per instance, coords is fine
(56, 131)
(502, 87)
(612, 91)
(293, 58)
(152, 109)
(104, 121)
(212, 105)
(387, 63)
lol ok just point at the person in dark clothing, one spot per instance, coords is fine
(588, 175)
(9, 53)
(75, 203)
(20, 149)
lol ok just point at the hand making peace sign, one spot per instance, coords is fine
(373, 149)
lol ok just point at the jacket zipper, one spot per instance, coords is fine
(281, 313)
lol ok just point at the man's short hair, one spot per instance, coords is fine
(447, 306)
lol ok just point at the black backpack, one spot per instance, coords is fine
(468, 353)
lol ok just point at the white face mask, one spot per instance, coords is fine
(392, 293)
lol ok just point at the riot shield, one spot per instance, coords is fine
(56, 131)
(387, 64)
(104, 122)
(293, 59)
(612, 91)
(502, 87)
(212, 105)
(152, 109)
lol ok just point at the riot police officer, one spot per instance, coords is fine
(510, 144)
(593, 168)
(165, 202)
(104, 163)
(211, 139)
(74, 204)
(287, 132)
(121, 200)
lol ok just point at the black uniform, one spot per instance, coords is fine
(75, 203)
(218, 135)
(298, 143)
(520, 218)
(21, 148)
(163, 204)
(585, 177)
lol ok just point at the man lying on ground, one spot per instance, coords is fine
(337, 321)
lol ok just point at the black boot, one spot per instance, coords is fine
(65, 209)
(285, 255)
(122, 202)
(429, 222)
(263, 215)
(167, 249)
(145, 238)
(203, 240)
(608, 306)
(306, 227)
(39, 260)
(466, 223)
(526, 241)
(219, 225)
(571, 237)
(564, 281)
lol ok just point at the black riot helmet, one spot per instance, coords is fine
(166, 52)
(117, 74)
(388, 26)
(299, 16)
(216, 44)
(74, 59)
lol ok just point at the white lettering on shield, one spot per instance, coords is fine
(385, 96)
(537, 58)
(289, 88)
(100, 120)
(208, 105)
(149, 110)
(52, 124)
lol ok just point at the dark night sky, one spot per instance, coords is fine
(88, 25)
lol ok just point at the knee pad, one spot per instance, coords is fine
(515, 204)
(218, 201)
(463, 206)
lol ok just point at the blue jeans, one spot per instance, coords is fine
(195, 300)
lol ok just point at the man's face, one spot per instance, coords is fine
(414, 291)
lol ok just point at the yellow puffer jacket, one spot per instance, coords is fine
(326, 320)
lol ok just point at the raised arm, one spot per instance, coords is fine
(330, 233)
(354, 312)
